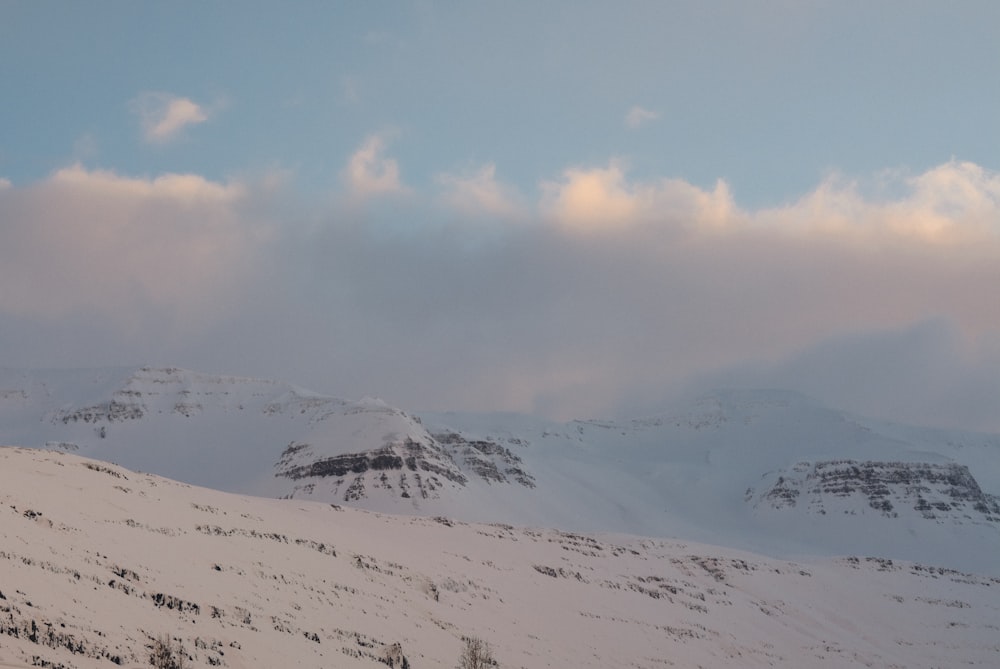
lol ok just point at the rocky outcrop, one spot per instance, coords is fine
(889, 488)
(126, 405)
(487, 459)
(396, 468)
(408, 454)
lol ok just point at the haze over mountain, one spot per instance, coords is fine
(569, 209)
(768, 470)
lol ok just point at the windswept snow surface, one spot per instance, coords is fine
(746, 469)
(97, 561)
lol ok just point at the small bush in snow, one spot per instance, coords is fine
(165, 655)
(476, 654)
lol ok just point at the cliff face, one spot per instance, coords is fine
(404, 469)
(413, 466)
(892, 489)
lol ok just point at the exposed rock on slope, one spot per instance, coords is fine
(935, 491)
(416, 465)
(488, 459)
(424, 467)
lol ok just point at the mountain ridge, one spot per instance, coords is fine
(700, 470)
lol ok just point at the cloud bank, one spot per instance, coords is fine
(125, 249)
(600, 295)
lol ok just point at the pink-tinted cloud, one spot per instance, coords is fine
(94, 241)
(602, 199)
(609, 291)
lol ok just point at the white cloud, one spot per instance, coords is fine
(164, 116)
(4, 183)
(479, 193)
(369, 172)
(638, 116)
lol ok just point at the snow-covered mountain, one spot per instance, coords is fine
(768, 471)
(97, 563)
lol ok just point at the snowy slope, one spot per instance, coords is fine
(710, 469)
(97, 561)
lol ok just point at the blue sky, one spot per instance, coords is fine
(770, 96)
(560, 207)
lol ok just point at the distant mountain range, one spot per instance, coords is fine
(768, 471)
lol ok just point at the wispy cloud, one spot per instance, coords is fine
(164, 116)
(638, 116)
(351, 92)
(370, 172)
(478, 193)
